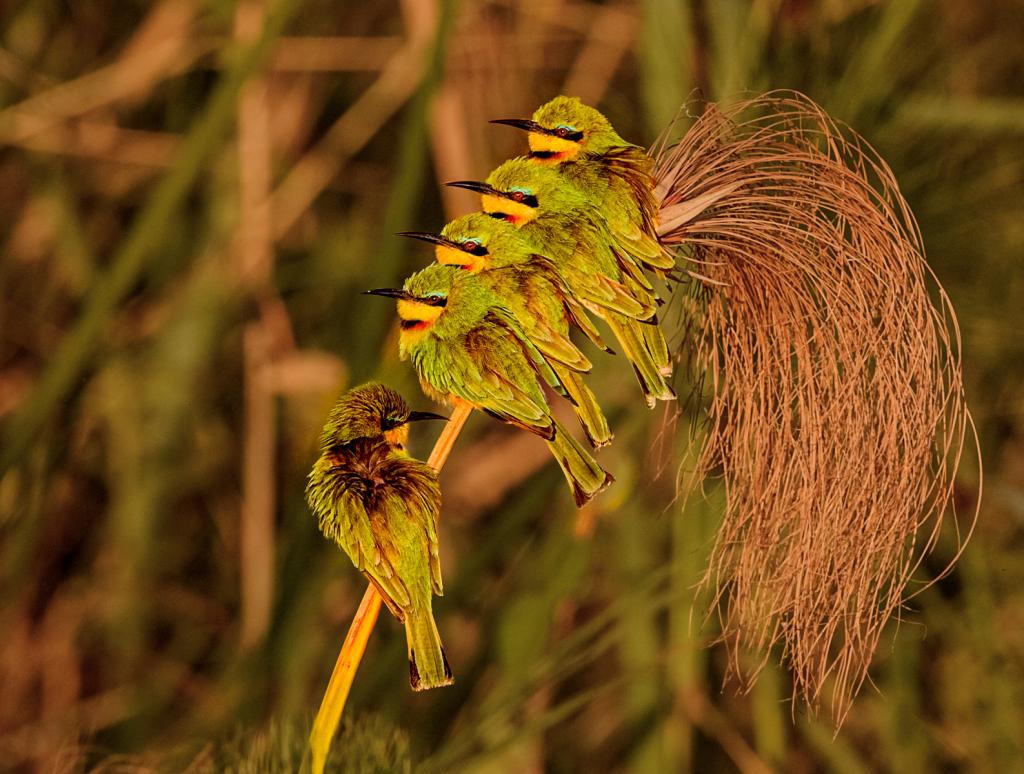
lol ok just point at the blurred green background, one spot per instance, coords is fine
(192, 197)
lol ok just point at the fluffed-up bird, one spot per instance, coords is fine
(466, 345)
(381, 506)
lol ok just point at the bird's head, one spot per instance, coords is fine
(421, 301)
(461, 243)
(516, 191)
(563, 128)
(475, 242)
(371, 410)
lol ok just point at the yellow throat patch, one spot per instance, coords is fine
(417, 317)
(518, 213)
(452, 256)
(397, 436)
(560, 148)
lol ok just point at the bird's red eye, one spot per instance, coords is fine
(561, 131)
(469, 246)
(518, 196)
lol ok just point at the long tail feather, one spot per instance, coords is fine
(588, 410)
(428, 665)
(632, 337)
(657, 347)
(585, 476)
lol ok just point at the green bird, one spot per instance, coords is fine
(532, 289)
(559, 220)
(467, 346)
(381, 506)
(580, 142)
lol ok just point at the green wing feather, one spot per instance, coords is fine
(415, 496)
(354, 530)
(377, 505)
(574, 314)
(488, 367)
(500, 317)
(534, 293)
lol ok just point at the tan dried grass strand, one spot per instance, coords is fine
(831, 357)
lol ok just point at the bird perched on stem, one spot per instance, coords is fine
(381, 506)
(617, 175)
(467, 346)
(531, 287)
(560, 221)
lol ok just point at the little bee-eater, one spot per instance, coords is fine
(559, 221)
(530, 286)
(582, 145)
(381, 506)
(466, 345)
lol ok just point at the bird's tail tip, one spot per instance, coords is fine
(421, 683)
(428, 664)
(583, 496)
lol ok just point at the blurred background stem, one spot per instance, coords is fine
(71, 359)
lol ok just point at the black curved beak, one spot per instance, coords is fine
(521, 123)
(418, 416)
(426, 236)
(389, 292)
(474, 185)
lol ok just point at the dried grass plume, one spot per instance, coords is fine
(831, 358)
